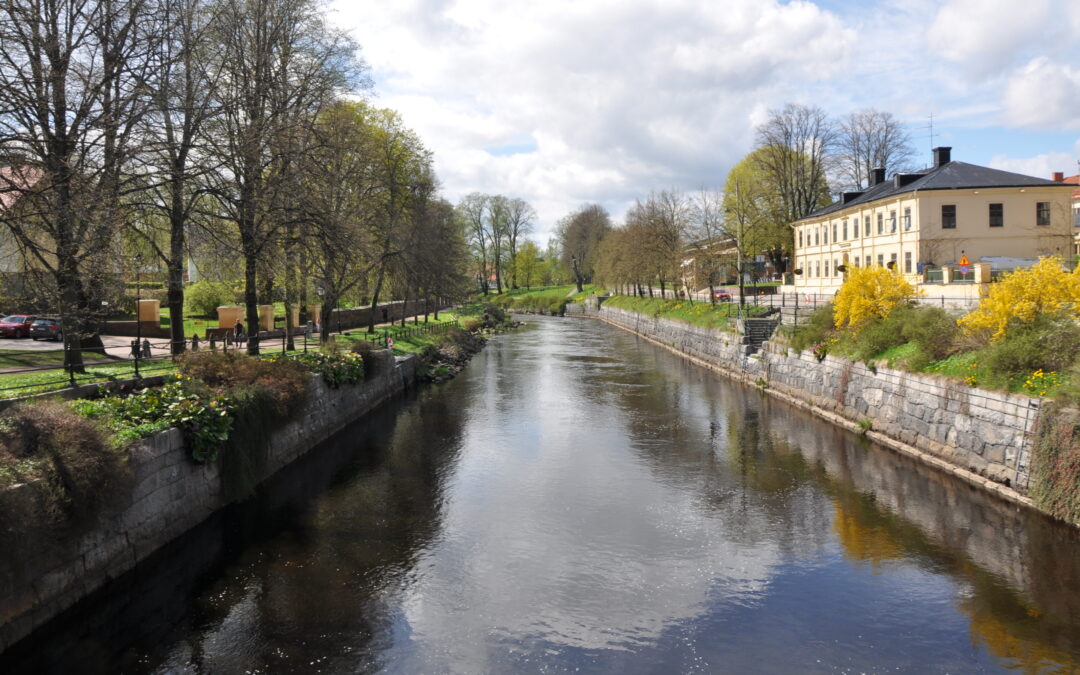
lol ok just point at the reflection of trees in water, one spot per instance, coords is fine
(322, 586)
(299, 572)
(768, 461)
(1020, 567)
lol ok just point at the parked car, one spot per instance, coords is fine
(723, 296)
(46, 329)
(16, 325)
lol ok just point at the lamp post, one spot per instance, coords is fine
(138, 318)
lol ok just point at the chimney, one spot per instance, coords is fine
(877, 175)
(1059, 176)
(942, 156)
(848, 197)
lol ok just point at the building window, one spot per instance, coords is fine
(800, 238)
(881, 223)
(845, 230)
(825, 235)
(948, 216)
(997, 215)
(866, 225)
(868, 263)
(892, 261)
(817, 236)
(1076, 217)
(817, 268)
(907, 217)
(881, 260)
(1042, 213)
(892, 221)
(834, 237)
(907, 262)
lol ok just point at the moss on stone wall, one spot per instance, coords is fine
(1055, 463)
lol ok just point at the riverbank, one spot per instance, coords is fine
(169, 494)
(982, 437)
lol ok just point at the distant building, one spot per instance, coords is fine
(1074, 181)
(922, 222)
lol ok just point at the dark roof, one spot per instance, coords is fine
(948, 176)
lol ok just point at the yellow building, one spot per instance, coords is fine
(930, 221)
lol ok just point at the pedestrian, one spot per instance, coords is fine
(134, 349)
(238, 332)
(146, 348)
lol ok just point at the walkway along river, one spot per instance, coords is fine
(581, 499)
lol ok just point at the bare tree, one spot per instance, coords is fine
(519, 222)
(869, 139)
(794, 147)
(707, 217)
(183, 101)
(281, 66)
(580, 234)
(72, 76)
(473, 212)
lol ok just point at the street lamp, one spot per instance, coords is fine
(138, 319)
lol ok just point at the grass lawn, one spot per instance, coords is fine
(697, 313)
(32, 359)
(411, 338)
(13, 385)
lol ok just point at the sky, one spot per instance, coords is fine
(567, 102)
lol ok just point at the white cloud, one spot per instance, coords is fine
(1043, 165)
(1044, 94)
(620, 97)
(987, 35)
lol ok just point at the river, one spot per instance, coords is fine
(581, 500)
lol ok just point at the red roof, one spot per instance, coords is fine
(14, 180)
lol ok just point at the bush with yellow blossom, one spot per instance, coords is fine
(1023, 295)
(870, 293)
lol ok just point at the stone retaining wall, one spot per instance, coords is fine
(170, 494)
(983, 436)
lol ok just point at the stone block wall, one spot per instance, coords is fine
(983, 432)
(169, 495)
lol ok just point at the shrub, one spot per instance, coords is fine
(64, 457)
(471, 324)
(818, 328)
(204, 297)
(869, 293)
(933, 330)
(1050, 343)
(286, 381)
(336, 368)
(203, 416)
(1024, 295)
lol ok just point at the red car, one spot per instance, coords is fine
(16, 325)
(723, 296)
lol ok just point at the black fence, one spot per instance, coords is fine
(140, 358)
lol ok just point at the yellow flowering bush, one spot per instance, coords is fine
(1023, 295)
(870, 293)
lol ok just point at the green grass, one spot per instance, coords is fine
(897, 355)
(697, 313)
(13, 385)
(407, 339)
(28, 359)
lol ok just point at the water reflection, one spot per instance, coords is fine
(579, 499)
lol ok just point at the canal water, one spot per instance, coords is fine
(580, 500)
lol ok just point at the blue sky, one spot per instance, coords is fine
(571, 101)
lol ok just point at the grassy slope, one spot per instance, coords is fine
(696, 313)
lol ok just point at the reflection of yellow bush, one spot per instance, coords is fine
(1018, 640)
(870, 293)
(1025, 294)
(863, 542)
